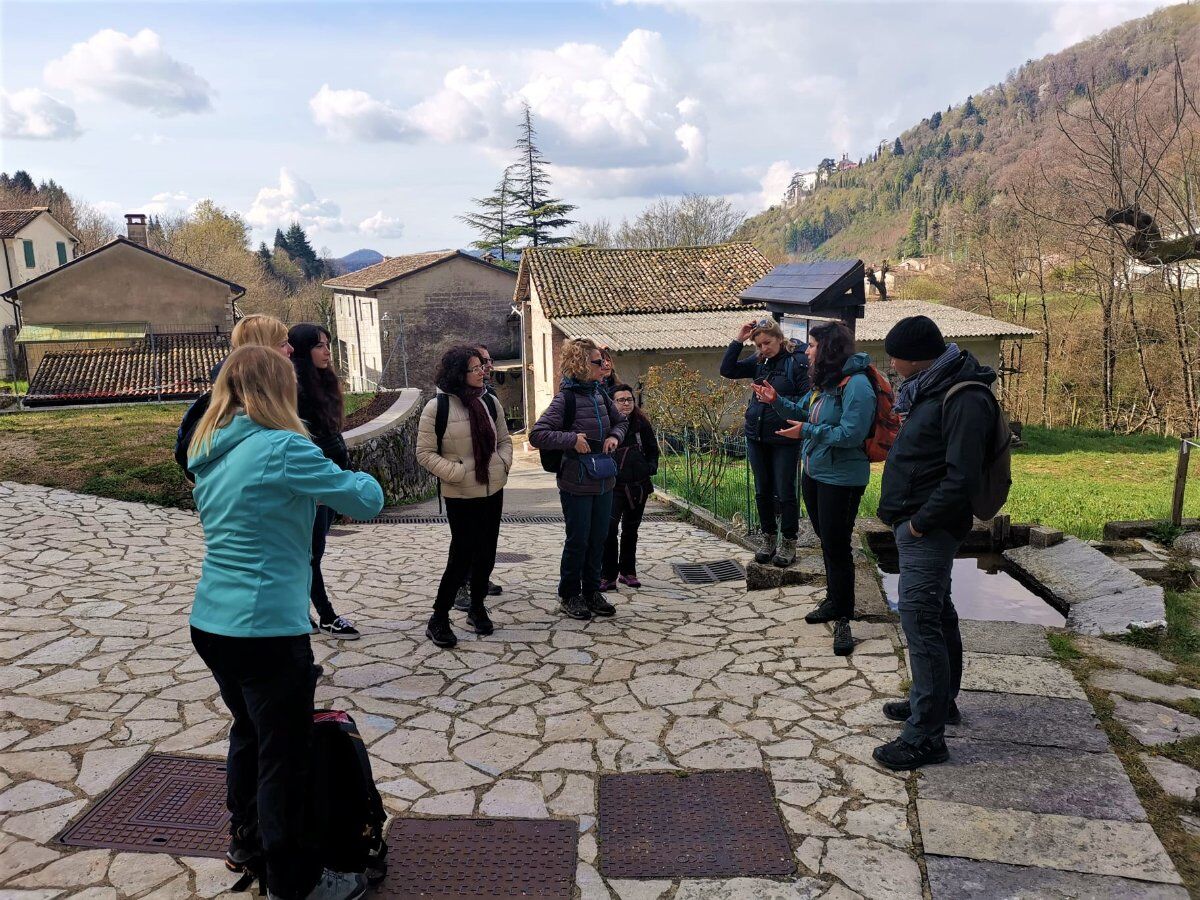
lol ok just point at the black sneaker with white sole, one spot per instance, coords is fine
(340, 628)
(900, 710)
(843, 640)
(576, 607)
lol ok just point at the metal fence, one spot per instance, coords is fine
(709, 471)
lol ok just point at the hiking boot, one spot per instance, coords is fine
(340, 628)
(826, 612)
(576, 607)
(843, 640)
(631, 579)
(766, 548)
(335, 886)
(479, 619)
(598, 604)
(244, 846)
(901, 756)
(439, 631)
(900, 710)
(494, 590)
(462, 600)
(786, 554)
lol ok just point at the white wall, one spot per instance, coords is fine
(45, 233)
(359, 332)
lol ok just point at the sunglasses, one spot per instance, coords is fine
(764, 323)
(596, 362)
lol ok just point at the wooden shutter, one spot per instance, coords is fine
(62, 253)
(30, 262)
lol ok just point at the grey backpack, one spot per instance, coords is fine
(997, 462)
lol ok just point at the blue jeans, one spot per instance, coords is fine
(586, 518)
(774, 467)
(930, 624)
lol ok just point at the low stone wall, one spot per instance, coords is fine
(386, 447)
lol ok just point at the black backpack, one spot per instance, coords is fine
(987, 502)
(552, 459)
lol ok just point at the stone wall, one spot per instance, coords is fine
(386, 447)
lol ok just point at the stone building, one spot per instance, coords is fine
(396, 318)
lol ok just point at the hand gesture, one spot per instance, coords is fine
(765, 392)
(581, 444)
(610, 444)
(793, 432)
(743, 334)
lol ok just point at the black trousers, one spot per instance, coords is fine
(774, 469)
(832, 509)
(320, 599)
(474, 532)
(268, 685)
(621, 558)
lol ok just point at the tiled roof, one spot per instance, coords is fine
(13, 220)
(710, 330)
(590, 282)
(178, 366)
(397, 267)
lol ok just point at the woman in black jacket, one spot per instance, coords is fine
(321, 407)
(637, 462)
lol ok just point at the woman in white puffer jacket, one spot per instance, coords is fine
(472, 465)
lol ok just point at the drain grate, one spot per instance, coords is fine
(399, 519)
(709, 572)
(168, 804)
(493, 858)
(505, 557)
(707, 825)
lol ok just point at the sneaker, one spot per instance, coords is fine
(598, 604)
(608, 584)
(575, 607)
(786, 554)
(900, 710)
(440, 632)
(843, 640)
(479, 619)
(826, 612)
(462, 600)
(766, 548)
(631, 580)
(335, 886)
(494, 590)
(341, 628)
(901, 756)
(244, 846)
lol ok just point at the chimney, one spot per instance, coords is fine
(135, 225)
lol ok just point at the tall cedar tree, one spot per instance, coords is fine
(302, 252)
(538, 214)
(496, 219)
(281, 241)
(897, 148)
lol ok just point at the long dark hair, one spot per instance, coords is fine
(835, 345)
(637, 417)
(320, 390)
(452, 370)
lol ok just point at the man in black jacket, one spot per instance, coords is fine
(932, 471)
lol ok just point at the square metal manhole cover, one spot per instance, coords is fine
(506, 557)
(707, 825)
(494, 858)
(709, 572)
(168, 804)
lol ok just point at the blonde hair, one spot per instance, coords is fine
(256, 380)
(577, 358)
(259, 331)
(770, 327)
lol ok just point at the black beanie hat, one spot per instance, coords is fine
(915, 339)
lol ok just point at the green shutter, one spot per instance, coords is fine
(62, 253)
(30, 262)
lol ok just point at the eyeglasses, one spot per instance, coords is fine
(622, 400)
(473, 369)
(764, 323)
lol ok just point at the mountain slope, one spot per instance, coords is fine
(896, 205)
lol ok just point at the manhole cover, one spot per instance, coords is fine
(512, 557)
(707, 825)
(494, 858)
(168, 804)
(340, 532)
(709, 572)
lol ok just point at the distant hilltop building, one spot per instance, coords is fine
(846, 163)
(801, 186)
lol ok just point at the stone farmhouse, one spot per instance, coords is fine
(653, 306)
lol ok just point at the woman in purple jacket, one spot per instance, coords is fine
(582, 422)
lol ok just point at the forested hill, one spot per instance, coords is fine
(903, 199)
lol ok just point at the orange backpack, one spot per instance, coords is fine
(887, 424)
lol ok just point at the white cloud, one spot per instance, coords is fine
(1073, 22)
(775, 182)
(381, 226)
(293, 201)
(135, 70)
(168, 203)
(32, 113)
(349, 115)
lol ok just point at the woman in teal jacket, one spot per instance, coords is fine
(834, 420)
(259, 479)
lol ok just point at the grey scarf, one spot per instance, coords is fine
(913, 387)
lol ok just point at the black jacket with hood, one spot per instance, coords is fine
(936, 464)
(786, 372)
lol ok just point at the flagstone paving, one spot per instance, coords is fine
(96, 669)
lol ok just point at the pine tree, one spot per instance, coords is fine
(897, 148)
(910, 244)
(302, 252)
(969, 109)
(496, 219)
(22, 183)
(538, 214)
(281, 242)
(935, 121)
(264, 253)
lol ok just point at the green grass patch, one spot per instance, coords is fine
(1180, 643)
(355, 402)
(1062, 645)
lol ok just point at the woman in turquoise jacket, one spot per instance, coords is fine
(834, 420)
(259, 479)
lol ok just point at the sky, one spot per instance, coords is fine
(375, 124)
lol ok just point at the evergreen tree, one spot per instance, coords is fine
(910, 244)
(281, 242)
(264, 253)
(935, 121)
(969, 109)
(496, 218)
(539, 215)
(897, 148)
(22, 183)
(302, 252)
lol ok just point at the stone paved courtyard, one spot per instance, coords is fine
(96, 670)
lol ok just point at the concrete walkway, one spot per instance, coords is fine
(96, 670)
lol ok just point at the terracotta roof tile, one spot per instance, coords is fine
(13, 220)
(389, 270)
(587, 282)
(178, 366)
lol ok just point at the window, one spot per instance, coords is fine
(62, 253)
(30, 262)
